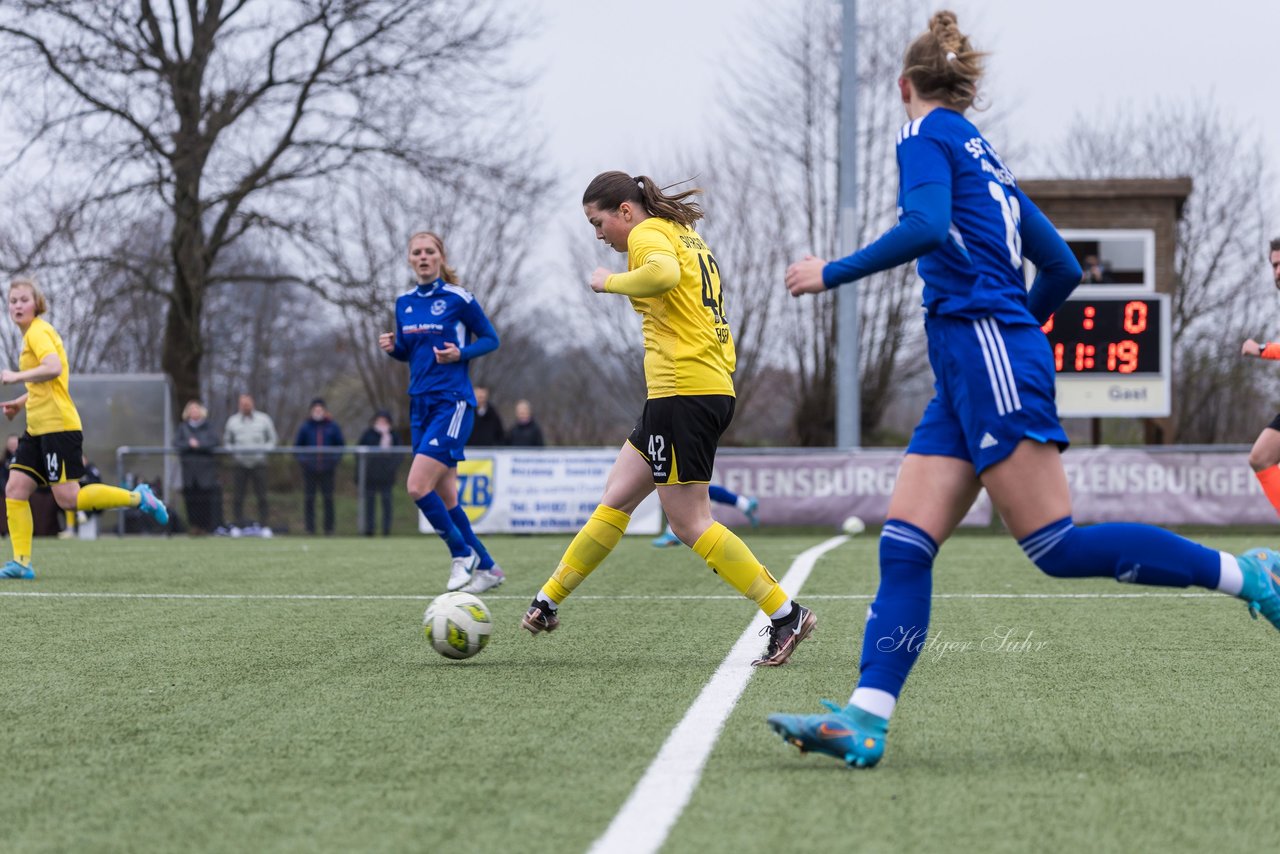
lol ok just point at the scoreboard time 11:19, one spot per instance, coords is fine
(1119, 335)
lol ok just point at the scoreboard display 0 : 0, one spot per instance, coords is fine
(1106, 335)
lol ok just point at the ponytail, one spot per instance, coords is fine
(609, 190)
(942, 64)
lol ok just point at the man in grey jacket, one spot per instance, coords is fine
(249, 430)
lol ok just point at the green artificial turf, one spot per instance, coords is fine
(329, 724)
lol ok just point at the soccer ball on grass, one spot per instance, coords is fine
(457, 625)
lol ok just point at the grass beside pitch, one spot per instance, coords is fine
(305, 724)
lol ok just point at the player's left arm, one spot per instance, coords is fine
(486, 337)
(1057, 270)
(50, 368)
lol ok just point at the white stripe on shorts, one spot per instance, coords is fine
(456, 424)
(999, 370)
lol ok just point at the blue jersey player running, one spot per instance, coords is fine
(439, 328)
(992, 422)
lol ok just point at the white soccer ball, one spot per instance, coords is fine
(457, 625)
(853, 526)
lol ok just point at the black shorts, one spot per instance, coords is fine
(677, 436)
(51, 457)
(1275, 423)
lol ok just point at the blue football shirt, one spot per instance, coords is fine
(428, 317)
(977, 272)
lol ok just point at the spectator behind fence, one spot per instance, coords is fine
(526, 432)
(487, 430)
(249, 431)
(318, 431)
(195, 441)
(379, 472)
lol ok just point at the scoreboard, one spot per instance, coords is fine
(1111, 355)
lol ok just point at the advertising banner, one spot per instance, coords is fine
(540, 491)
(553, 490)
(819, 487)
(1173, 487)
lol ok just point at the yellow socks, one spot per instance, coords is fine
(99, 496)
(592, 545)
(20, 528)
(733, 561)
(1270, 480)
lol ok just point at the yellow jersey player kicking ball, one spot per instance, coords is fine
(673, 282)
(49, 452)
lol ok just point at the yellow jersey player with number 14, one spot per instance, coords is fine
(673, 282)
(50, 452)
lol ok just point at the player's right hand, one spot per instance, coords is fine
(387, 341)
(1250, 348)
(11, 409)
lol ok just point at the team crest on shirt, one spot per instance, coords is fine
(438, 307)
(475, 486)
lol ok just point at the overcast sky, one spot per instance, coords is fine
(623, 79)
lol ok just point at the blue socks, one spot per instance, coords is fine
(432, 507)
(459, 517)
(720, 495)
(898, 619)
(1136, 554)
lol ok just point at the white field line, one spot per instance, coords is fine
(658, 799)
(361, 597)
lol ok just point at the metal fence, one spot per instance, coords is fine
(229, 505)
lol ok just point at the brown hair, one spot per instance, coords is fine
(42, 305)
(608, 190)
(942, 64)
(446, 272)
(1275, 244)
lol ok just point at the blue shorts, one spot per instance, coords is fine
(439, 427)
(994, 387)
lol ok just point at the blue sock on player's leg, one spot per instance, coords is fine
(463, 524)
(1137, 554)
(898, 619)
(432, 507)
(720, 495)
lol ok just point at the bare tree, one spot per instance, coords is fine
(230, 118)
(1221, 295)
(781, 154)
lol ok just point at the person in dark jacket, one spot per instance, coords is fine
(487, 430)
(526, 432)
(379, 472)
(318, 431)
(195, 440)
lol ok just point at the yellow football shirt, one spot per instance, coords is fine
(688, 347)
(49, 405)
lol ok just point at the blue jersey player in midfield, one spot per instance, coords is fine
(439, 328)
(992, 422)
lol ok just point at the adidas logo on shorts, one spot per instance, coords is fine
(988, 441)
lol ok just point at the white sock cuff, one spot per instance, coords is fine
(873, 700)
(1232, 579)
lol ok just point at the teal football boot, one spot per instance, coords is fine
(13, 569)
(151, 505)
(1261, 590)
(850, 734)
